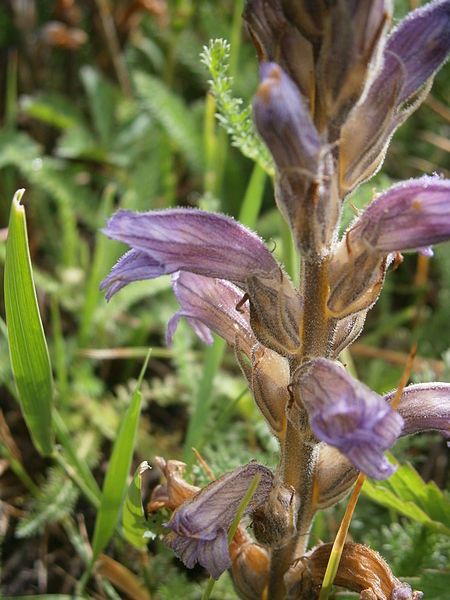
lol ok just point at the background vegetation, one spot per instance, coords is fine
(104, 105)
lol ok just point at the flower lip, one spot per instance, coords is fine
(210, 304)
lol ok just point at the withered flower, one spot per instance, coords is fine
(360, 570)
(199, 526)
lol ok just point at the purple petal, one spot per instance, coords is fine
(213, 555)
(132, 266)
(421, 43)
(424, 407)
(412, 54)
(184, 239)
(199, 525)
(210, 304)
(283, 120)
(201, 330)
(348, 415)
(411, 214)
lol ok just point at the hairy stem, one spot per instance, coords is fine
(299, 452)
(297, 470)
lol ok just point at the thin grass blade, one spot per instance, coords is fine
(115, 483)
(27, 345)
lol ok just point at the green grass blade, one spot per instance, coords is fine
(196, 429)
(27, 346)
(253, 198)
(100, 264)
(116, 477)
(133, 518)
(71, 457)
(45, 597)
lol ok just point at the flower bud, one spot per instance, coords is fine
(275, 311)
(306, 189)
(269, 382)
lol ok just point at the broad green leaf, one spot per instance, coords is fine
(52, 109)
(27, 346)
(133, 518)
(114, 486)
(174, 116)
(407, 493)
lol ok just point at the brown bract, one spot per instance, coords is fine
(360, 570)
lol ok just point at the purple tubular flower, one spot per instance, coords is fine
(421, 43)
(210, 304)
(199, 526)
(410, 215)
(185, 239)
(424, 407)
(283, 120)
(348, 415)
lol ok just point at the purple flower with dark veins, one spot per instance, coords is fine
(348, 415)
(184, 239)
(199, 527)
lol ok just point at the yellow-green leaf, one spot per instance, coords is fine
(133, 518)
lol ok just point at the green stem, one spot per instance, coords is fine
(18, 470)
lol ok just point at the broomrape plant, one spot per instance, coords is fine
(334, 88)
